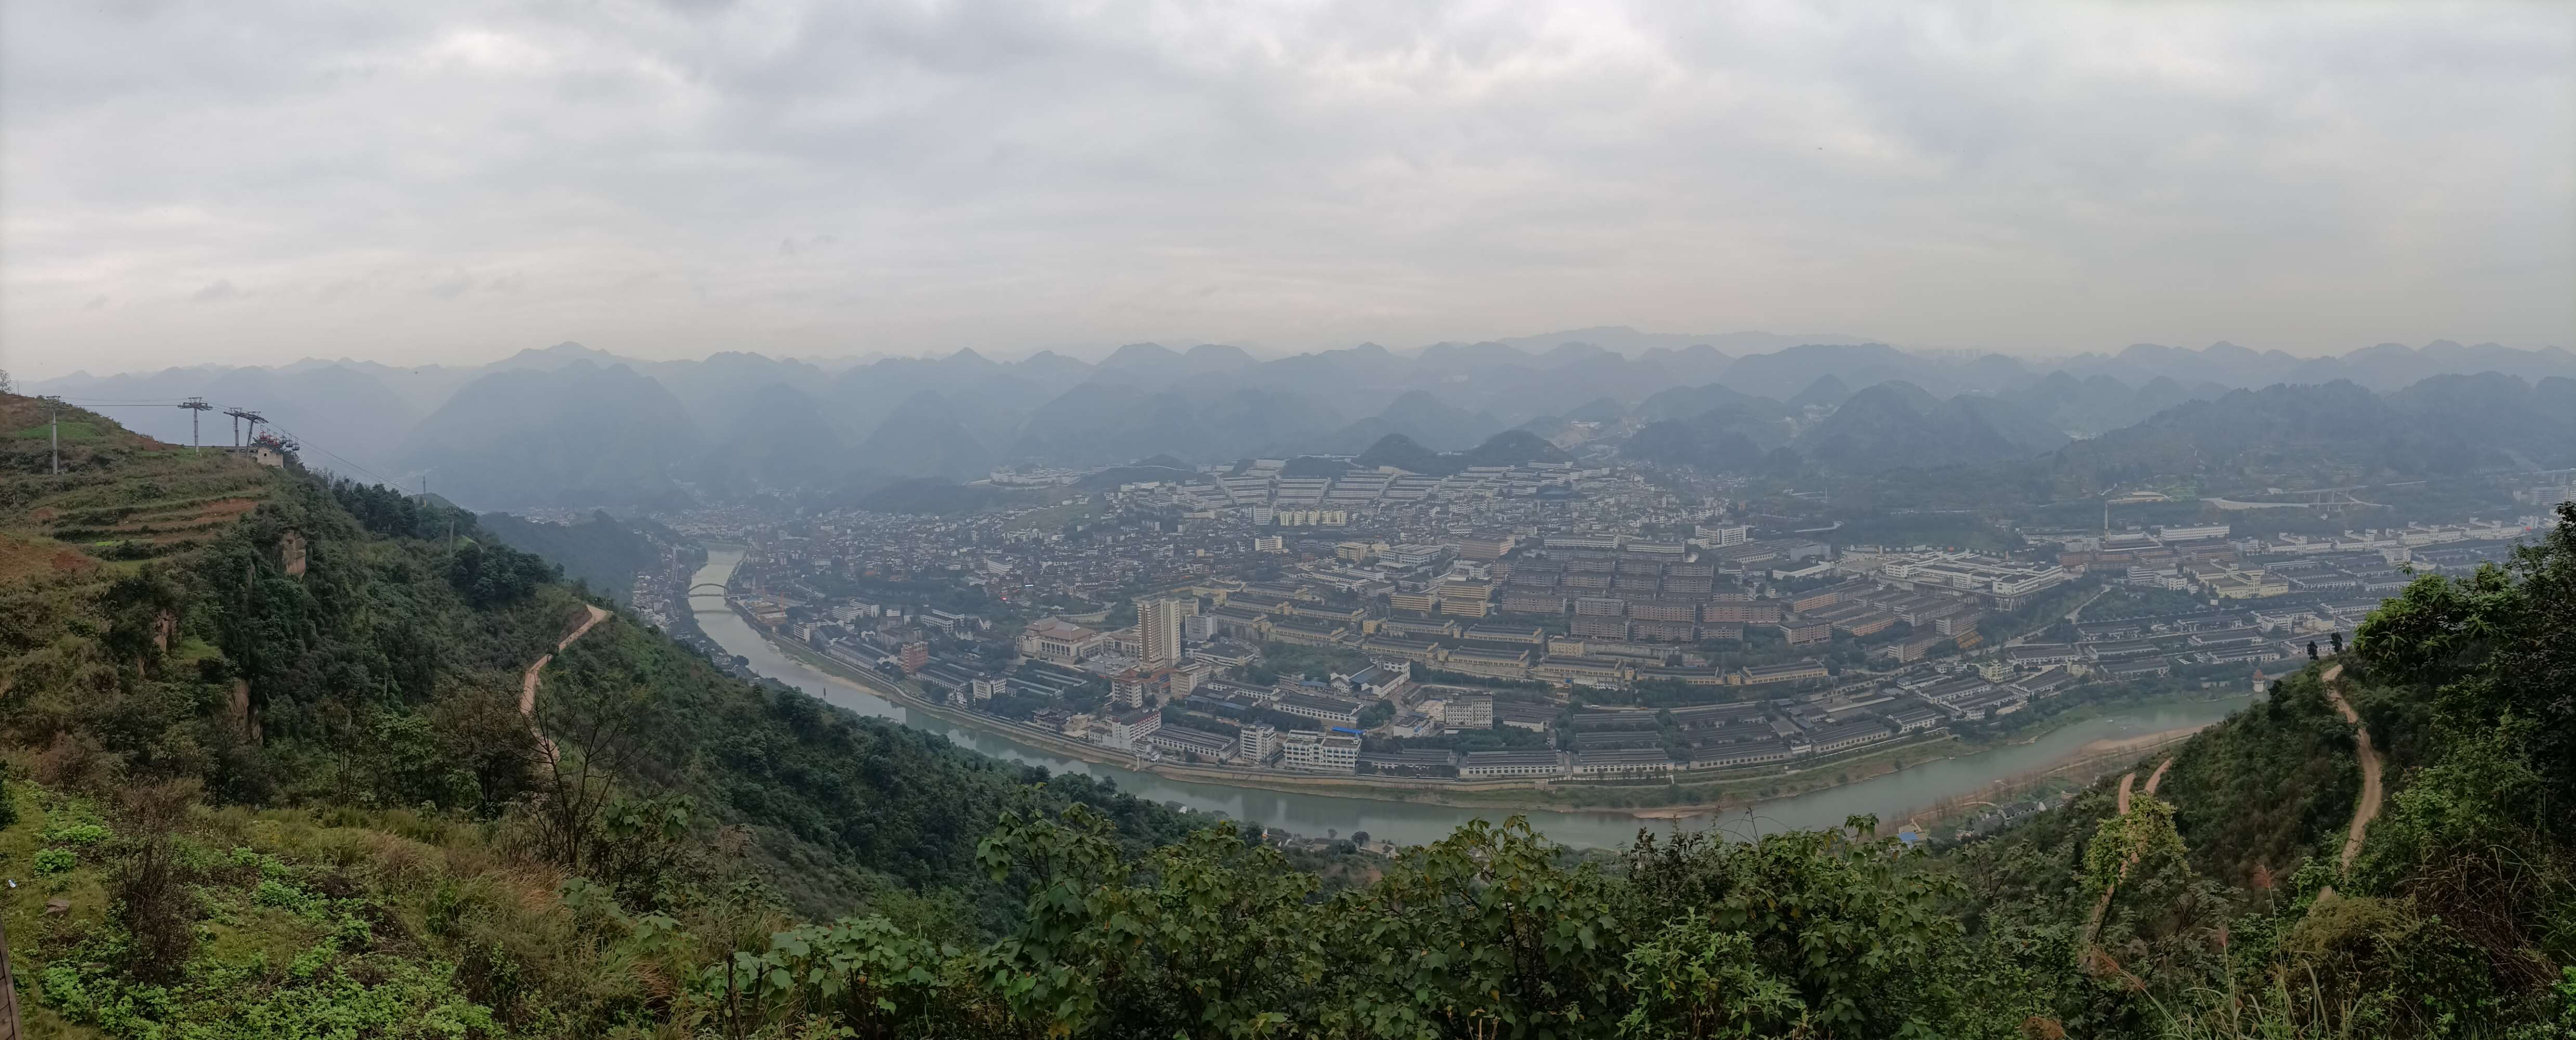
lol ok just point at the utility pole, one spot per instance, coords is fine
(197, 408)
(56, 411)
(9, 1026)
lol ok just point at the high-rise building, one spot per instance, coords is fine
(914, 656)
(1158, 632)
(1257, 742)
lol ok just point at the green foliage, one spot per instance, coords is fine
(1491, 932)
(639, 879)
(1203, 936)
(1312, 662)
(74, 834)
(600, 551)
(835, 797)
(2255, 793)
(1696, 981)
(2142, 836)
(492, 575)
(858, 970)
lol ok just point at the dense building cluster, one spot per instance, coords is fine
(1514, 622)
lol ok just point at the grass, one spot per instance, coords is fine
(74, 431)
(345, 923)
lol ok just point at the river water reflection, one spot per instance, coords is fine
(1413, 823)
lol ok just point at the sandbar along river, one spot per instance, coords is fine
(1317, 814)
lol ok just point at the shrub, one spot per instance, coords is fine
(56, 861)
(154, 903)
(75, 834)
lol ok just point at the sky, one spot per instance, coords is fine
(260, 180)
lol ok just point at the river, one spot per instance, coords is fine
(1890, 796)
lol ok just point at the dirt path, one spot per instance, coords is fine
(528, 682)
(2128, 781)
(2371, 764)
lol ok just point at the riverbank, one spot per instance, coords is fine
(1684, 797)
(1326, 813)
(2099, 759)
(1428, 791)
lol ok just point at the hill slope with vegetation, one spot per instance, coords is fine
(271, 768)
(265, 748)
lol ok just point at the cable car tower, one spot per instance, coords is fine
(197, 408)
(240, 414)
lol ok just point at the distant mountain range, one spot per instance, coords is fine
(2283, 434)
(1508, 448)
(573, 426)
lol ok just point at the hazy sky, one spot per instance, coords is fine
(257, 180)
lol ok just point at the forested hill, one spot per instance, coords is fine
(248, 798)
(220, 678)
(601, 552)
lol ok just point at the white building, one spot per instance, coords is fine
(1257, 742)
(1158, 631)
(1724, 537)
(1466, 711)
(1312, 751)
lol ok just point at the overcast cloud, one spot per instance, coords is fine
(252, 181)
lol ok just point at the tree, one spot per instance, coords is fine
(2337, 639)
(2312, 649)
(591, 739)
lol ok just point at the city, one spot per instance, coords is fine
(1519, 626)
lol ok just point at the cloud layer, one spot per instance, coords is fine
(265, 179)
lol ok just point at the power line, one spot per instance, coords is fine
(303, 443)
(117, 405)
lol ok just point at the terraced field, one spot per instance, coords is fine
(120, 496)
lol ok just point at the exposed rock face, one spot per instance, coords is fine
(290, 550)
(243, 720)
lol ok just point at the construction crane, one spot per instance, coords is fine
(197, 407)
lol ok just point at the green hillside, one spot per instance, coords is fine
(601, 552)
(283, 800)
(251, 799)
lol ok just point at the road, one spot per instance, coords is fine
(2371, 766)
(2128, 781)
(528, 682)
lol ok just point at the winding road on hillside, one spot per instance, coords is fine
(2154, 780)
(528, 682)
(2371, 765)
(2128, 781)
